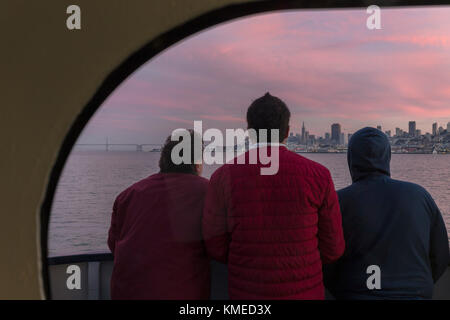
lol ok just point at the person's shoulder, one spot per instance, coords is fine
(346, 192)
(414, 193)
(137, 186)
(128, 192)
(220, 172)
(201, 180)
(410, 188)
(197, 181)
(310, 166)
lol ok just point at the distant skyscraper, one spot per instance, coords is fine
(388, 133)
(327, 136)
(448, 127)
(336, 132)
(303, 133)
(398, 132)
(418, 133)
(412, 128)
(434, 131)
(379, 128)
(441, 130)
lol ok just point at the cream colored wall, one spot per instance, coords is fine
(47, 75)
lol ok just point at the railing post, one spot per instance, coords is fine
(94, 280)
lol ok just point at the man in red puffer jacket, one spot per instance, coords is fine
(274, 231)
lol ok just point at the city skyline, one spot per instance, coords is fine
(411, 141)
(326, 65)
(380, 127)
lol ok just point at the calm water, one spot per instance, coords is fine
(91, 180)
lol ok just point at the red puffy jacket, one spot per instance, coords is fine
(273, 231)
(156, 239)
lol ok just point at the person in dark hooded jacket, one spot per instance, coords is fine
(396, 240)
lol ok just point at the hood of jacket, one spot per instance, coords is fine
(369, 153)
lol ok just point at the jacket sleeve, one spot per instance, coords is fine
(439, 246)
(330, 233)
(214, 223)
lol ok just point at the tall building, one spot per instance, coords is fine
(418, 133)
(327, 136)
(303, 141)
(441, 130)
(398, 132)
(379, 128)
(434, 131)
(336, 133)
(388, 133)
(412, 128)
(448, 127)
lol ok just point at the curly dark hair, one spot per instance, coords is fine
(269, 112)
(166, 164)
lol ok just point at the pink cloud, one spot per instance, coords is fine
(326, 65)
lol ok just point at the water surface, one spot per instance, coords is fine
(91, 180)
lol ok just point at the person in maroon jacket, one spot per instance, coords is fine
(273, 231)
(155, 235)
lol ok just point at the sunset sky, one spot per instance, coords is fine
(326, 65)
